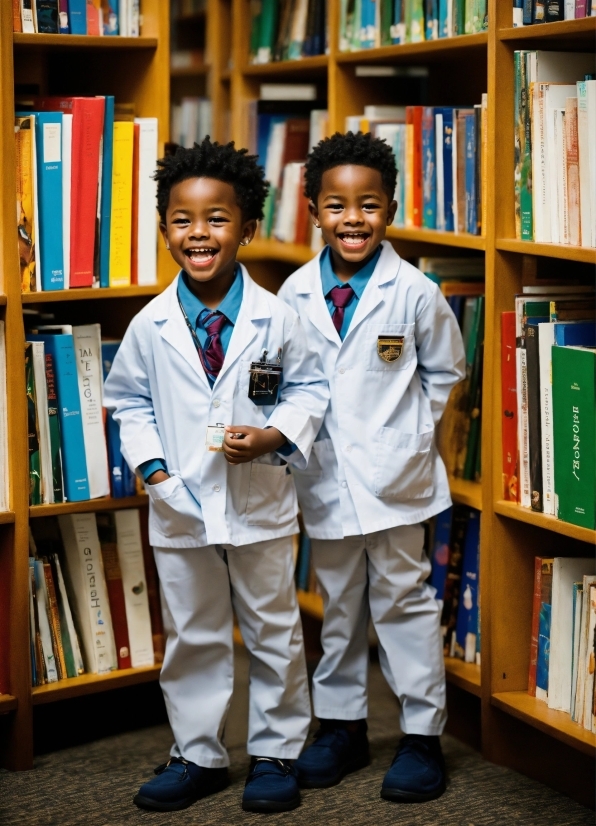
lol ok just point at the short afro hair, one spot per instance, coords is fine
(354, 149)
(223, 162)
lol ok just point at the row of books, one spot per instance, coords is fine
(91, 17)
(461, 281)
(93, 596)
(85, 194)
(563, 637)
(366, 24)
(4, 497)
(287, 29)
(555, 158)
(74, 454)
(441, 157)
(548, 359)
(453, 544)
(190, 121)
(529, 12)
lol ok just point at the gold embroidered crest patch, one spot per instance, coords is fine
(390, 348)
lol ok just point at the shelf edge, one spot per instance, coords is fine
(542, 520)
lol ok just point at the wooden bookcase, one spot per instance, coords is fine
(515, 730)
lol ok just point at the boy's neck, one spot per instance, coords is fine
(343, 269)
(211, 293)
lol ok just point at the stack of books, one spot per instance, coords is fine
(548, 361)
(93, 596)
(555, 159)
(366, 24)
(85, 194)
(441, 155)
(563, 637)
(91, 17)
(529, 12)
(74, 454)
(287, 29)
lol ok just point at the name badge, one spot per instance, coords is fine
(215, 437)
(265, 378)
(390, 348)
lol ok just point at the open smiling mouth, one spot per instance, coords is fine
(354, 240)
(201, 256)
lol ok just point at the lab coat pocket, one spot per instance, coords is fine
(403, 465)
(389, 347)
(315, 485)
(174, 512)
(271, 496)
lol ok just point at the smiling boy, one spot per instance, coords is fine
(392, 351)
(215, 349)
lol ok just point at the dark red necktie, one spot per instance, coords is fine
(213, 353)
(341, 297)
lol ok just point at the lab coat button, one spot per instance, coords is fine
(216, 403)
(216, 488)
(348, 448)
(344, 484)
(342, 370)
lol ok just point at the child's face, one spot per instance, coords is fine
(204, 227)
(353, 211)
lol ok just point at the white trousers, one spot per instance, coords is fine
(200, 587)
(380, 575)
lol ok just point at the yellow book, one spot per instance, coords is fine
(409, 178)
(25, 149)
(121, 218)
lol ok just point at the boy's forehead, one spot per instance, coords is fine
(352, 175)
(202, 190)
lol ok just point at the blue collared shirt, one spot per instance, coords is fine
(357, 282)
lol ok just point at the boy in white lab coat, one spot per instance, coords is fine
(216, 350)
(392, 351)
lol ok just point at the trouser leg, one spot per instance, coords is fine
(264, 597)
(197, 674)
(340, 680)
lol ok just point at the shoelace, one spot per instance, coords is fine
(174, 760)
(286, 768)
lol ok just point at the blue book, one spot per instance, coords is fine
(303, 567)
(443, 18)
(573, 333)
(48, 142)
(77, 16)
(111, 25)
(122, 479)
(431, 16)
(543, 650)
(471, 211)
(448, 167)
(399, 151)
(367, 24)
(440, 552)
(106, 192)
(397, 30)
(466, 627)
(74, 462)
(429, 169)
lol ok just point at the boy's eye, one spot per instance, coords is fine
(370, 206)
(180, 221)
(334, 206)
(218, 219)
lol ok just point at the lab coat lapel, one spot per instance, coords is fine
(385, 271)
(175, 331)
(317, 310)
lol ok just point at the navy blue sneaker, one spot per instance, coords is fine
(178, 784)
(417, 773)
(271, 786)
(334, 753)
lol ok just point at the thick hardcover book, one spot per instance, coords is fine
(122, 479)
(106, 530)
(152, 580)
(48, 139)
(74, 464)
(35, 487)
(472, 150)
(574, 419)
(77, 15)
(54, 426)
(43, 423)
(459, 527)
(475, 399)
(440, 552)
(572, 163)
(106, 191)
(416, 164)
(429, 173)
(509, 408)
(121, 217)
(54, 619)
(534, 419)
(47, 16)
(466, 628)
(146, 227)
(27, 212)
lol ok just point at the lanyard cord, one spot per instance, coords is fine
(195, 339)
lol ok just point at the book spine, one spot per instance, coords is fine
(448, 168)
(111, 565)
(54, 425)
(106, 189)
(583, 140)
(77, 15)
(66, 195)
(43, 423)
(522, 422)
(553, 11)
(49, 657)
(544, 626)
(572, 166)
(27, 22)
(63, 17)
(409, 179)
(563, 190)
(70, 644)
(545, 344)
(471, 151)
(440, 552)
(440, 197)
(467, 611)
(459, 527)
(54, 619)
(17, 25)
(26, 234)
(460, 162)
(429, 179)
(33, 430)
(47, 16)
(417, 166)
(121, 218)
(536, 601)
(49, 193)
(534, 429)
(146, 228)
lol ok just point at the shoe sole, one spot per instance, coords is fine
(325, 784)
(269, 806)
(402, 796)
(156, 806)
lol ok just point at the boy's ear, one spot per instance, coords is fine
(249, 229)
(391, 210)
(164, 233)
(314, 213)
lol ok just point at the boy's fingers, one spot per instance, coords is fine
(240, 429)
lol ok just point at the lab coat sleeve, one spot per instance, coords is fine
(441, 357)
(127, 393)
(304, 396)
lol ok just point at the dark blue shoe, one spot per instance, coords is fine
(271, 786)
(334, 753)
(178, 784)
(417, 773)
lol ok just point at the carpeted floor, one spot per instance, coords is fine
(93, 785)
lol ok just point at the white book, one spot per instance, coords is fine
(440, 172)
(204, 124)
(589, 661)
(569, 10)
(134, 17)
(546, 340)
(561, 67)
(66, 175)
(591, 95)
(70, 626)
(318, 127)
(87, 345)
(583, 140)
(134, 583)
(288, 91)
(87, 590)
(285, 219)
(561, 171)
(43, 617)
(124, 17)
(275, 150)
(4, 494)
(385, 113)
(583, 648)
(550, 96)
(353, 123)
(176, 123)
(577, 615)
(146, 228)
(43, 421)
(566, 571)
(28, 21)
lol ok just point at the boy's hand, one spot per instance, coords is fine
(243, 444)
(157, 477)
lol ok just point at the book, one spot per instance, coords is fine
(43, 422)
(66, 211)
(429, 175)
(534, 416)
(47, 16)
(106, 530)
(70, 641)
(35, 486)
(466, 628)
(145, 196)
(542, 584)
(77, 16)
(586, 124)
(577, 602)
(509, 408)
(49, 656)
(122, 479)
(580, 687)
(121, 219)
(54, 621)
(54, 429)
(572, 170)
(27, 24)
(27, 215)
(544, 630)
(107, 161)
(440, 552)
(459, 527)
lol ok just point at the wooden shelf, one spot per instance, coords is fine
(191, 71)
(429, 49)
(6, 517)
(8, 703)
(316, 63)
(106, 503)
(77, 41)
(189, 18)
(465, 492)
(311, 604)
(565, 251)
(552, 31)
(536, 713)
(268, 249)
(432, 236)
(542, 520)
(85, 293)
(2, 299)
(92, 684)
(464, 675)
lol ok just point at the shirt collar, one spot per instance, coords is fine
(230, 305)
(357, 282)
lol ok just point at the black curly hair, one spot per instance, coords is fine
(355, 149)
(223, 162)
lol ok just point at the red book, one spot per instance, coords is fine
(87, 130)
(414, 116)
(106, 529)
(152, 581)
(94, 19)
(509, 408)
(302, 214)
(296, 143)
(134, 253)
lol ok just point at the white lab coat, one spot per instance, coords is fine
(160, 396)
(375, 464)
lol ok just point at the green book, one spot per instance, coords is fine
(526, 214)
(386, 20)
(54, 423)
(416, 33)
(33, 431)
(459, 16)
(356, 26)
(267, 30)
(574, 430)
(255, 28)
(475, 395)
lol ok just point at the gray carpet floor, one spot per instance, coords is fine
(94, 784)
